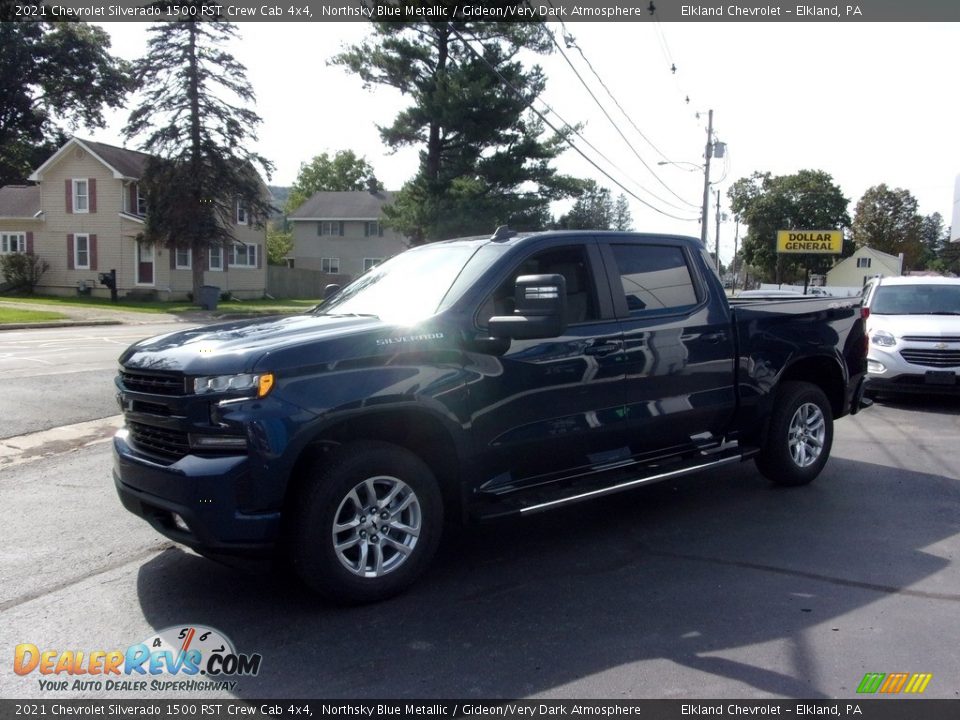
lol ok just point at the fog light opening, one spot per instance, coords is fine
(875, 367)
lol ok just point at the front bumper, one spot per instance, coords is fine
(203, 492)
(889, 371)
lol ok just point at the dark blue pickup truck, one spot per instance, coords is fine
(473, 379)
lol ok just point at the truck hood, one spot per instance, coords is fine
(934, 326)
(237, 346)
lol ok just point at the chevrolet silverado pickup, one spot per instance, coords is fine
(473, 379)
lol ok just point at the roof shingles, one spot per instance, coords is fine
(19, 201)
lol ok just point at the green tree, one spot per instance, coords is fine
(593, 210)
(198, 132)
(54, 77)
(483, 161)
(344, 171)
(933, 237)
(807, 200)
(622, 219)
(887, 220)
(279, 246)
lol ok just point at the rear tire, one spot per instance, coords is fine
(368, 522)
(799, 437)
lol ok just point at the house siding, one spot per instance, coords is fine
(351, 248)
(847, 274)
(103, 221)
(115, 237)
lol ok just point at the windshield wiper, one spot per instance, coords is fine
(942, 312)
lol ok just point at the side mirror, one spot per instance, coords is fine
(541, 309)
(330, 290)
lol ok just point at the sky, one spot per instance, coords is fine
(868, 103)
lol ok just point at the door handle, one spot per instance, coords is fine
(601, 349)
(713, 338)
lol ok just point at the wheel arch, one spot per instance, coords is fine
(415, 429)
(825, 372)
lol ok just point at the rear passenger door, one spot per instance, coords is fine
(678, 347)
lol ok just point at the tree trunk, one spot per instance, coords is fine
(193, 95)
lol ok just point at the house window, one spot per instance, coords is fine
(243, 256)
(373, 229)
(81, 196)
(863, 262)
(241, 214)
(81, 252)
(370, 263)
(13, 243)
(141, 201)
(216, 259)
(330, 265)
(184, 259)
(330, 227)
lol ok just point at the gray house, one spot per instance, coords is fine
(341, 233)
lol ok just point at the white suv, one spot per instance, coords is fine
(914, 330)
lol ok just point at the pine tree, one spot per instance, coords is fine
(483, 161)
(622, 219)
(198, 132)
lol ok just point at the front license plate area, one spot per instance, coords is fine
(940, 377)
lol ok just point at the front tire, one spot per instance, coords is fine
(367, 524)
(799, 437)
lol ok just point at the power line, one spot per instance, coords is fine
(586, 141)
(614, 124)
(565, 138)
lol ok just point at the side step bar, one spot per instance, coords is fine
(701, 463)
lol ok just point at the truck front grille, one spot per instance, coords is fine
(171, 444)
(154, 384)
(932, 357)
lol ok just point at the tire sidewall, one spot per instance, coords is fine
(775, 461)
(333, 477)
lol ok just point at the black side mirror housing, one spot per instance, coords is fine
(541, 309)
(330, 290)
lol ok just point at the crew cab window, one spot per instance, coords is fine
(571, 263)
(655, 278)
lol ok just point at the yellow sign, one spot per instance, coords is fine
(809, 241)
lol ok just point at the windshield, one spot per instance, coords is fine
(406, 288)
(916, 300)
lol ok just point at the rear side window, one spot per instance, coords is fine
(655, 279)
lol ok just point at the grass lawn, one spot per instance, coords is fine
(253, 306)
(13, 315)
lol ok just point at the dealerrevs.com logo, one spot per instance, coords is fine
(181, 657)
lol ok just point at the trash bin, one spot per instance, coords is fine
(209, 295)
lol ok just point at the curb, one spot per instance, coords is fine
(58, 324)
(44, 443)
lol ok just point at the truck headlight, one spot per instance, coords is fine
(883, 338)
(260, 383)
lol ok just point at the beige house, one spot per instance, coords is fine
(83, 217)
(864, 264)
(341, 233)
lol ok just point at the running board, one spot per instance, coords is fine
(540, 505)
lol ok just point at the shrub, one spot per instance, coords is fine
(23, 270)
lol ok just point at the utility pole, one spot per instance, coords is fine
(716, 240)
(707, 154)
(736, 270)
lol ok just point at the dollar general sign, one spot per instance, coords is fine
(809, 241)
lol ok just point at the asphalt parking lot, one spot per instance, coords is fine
(712, 586)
